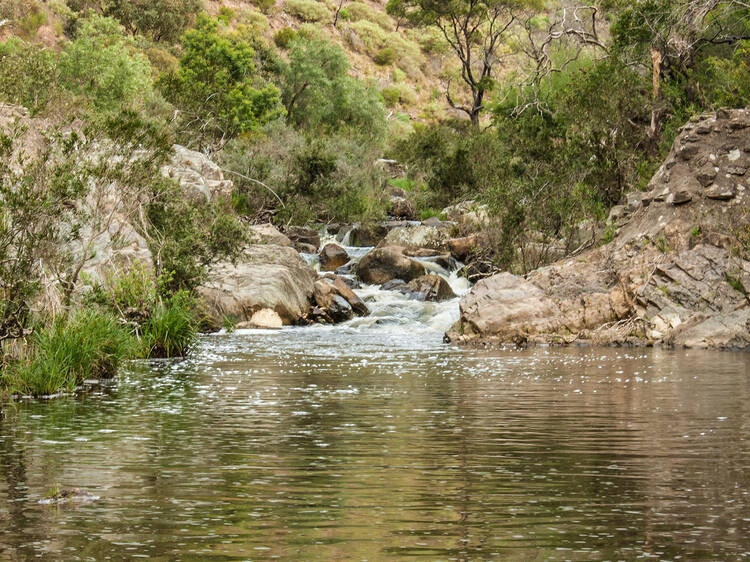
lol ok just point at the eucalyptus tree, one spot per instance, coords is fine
(476, 31)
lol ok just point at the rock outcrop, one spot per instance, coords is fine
(674, 274)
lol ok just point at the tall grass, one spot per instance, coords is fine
(87, 344)
(171, 329)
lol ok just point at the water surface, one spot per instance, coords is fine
(376, 441)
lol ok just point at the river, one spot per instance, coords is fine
(373, 440)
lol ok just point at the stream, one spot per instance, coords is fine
(373, 440)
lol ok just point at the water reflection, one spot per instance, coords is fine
(313, 444)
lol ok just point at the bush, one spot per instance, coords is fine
(308, 10)
(32, 21)
(398, 93)
(385, 56)
(318, 91)
(285, 37)
(216, 85)
(28, 75)
(264, 5)
(171, 329)
(105, 66)
(356, 11)
(88, 344)
(160, 20)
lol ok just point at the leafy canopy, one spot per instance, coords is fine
(216, 84)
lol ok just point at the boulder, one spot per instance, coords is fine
(358, 306)
(268, 234)
(332, 307)
(363, 235)
(264, 319)
(306, 240)
(419, 236)
(383, 264)
(332, 256)
(264, 277)
(468, 214)
(461, 248)
(430, 288)
(402, 208)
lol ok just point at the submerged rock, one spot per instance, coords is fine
(383, 264)
(72, 495)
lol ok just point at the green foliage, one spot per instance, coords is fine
(171, 329)
(37, 214)
(187, 235)
(318, 178)
(225, 15)
(159, 20)
(308, 10)
(264, 5)
(216, 85)
(356, 11)
(105, 66)
(385, 56)
(285, 37)
(28, 75)
(32, 21)
(398, 93)
(318, 91)
(88, 344)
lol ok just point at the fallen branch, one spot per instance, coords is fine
(255, 181)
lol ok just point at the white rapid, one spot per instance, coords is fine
(392, 312)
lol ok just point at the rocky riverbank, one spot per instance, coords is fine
(674, 274)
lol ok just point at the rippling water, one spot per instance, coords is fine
(369, 444)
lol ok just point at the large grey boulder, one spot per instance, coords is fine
(266, 276)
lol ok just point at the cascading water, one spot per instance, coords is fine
(392, 311)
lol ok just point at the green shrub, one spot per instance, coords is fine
(285, 37)
(32, 21)
(225, 14)
(385, 56)
(217, 87)
(104, 65)
(318, 91)
(264, 5)
(308, 10)
(256, 24)
(160, 20)
(88, 344)
(171, 329)
(398, 93)
(356, 11)
(28, 75)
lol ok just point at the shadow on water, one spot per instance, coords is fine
(357, 444)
